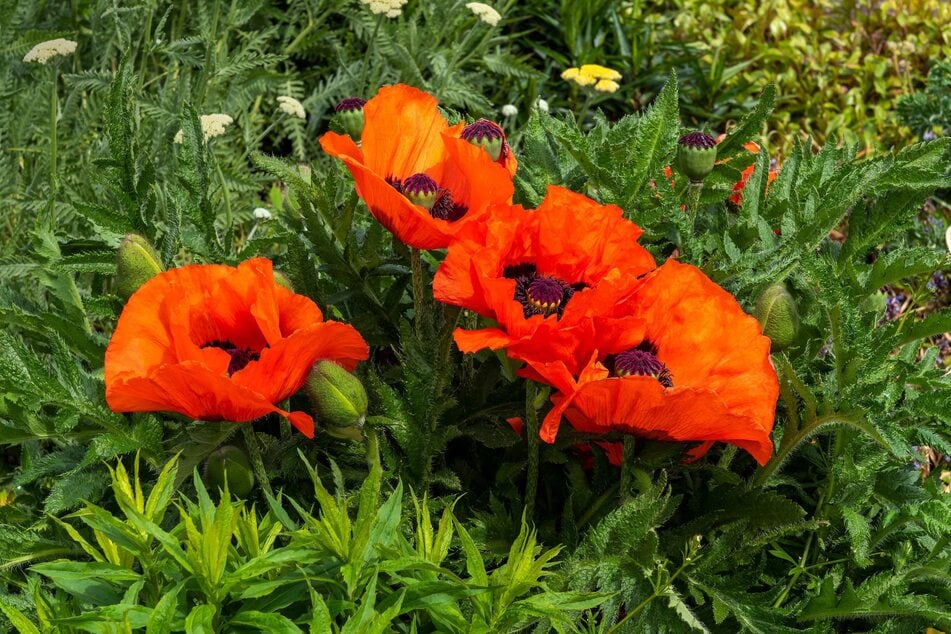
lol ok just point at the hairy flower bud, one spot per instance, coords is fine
(228, 465)
(696, 155)
(136, 263)
(777, 313)
(339, 399)
(350, 116)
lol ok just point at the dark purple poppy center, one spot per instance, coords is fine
(698, 140)
(640, 361)
(423, 190)
(350, 104)
(240, 357)
(482, 129)
(540, 294)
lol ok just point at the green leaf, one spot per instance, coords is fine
(271, 623)
(201, 620)
(160, 621)
(18, 619)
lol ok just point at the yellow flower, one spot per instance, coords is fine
(606, 85)
(570, 74)
(600, 72)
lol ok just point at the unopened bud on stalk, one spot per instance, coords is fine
(136, 263)
(696, 155)
(777, 313)
(350, 116)
(339, 400)
(229, 464)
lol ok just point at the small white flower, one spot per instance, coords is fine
(262, 214)
(509, 110)
(542, 105)
(947, 238)
(212, 125)
(45, 51)
(389, 8)
(292, 107)
(485, 13)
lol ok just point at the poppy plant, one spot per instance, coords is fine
(216, 342)
(419, 178)
(737, 196)
(546, 277)
(699, 372)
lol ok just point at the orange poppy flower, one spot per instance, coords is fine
(701, 371)
(546, 277)
(216, 342)
(418, 177)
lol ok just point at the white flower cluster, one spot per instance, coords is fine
(292, 107)
(212, 125)
(45, 51)
(261, 213)
(485, 13)
(389, 8)
(509, 110)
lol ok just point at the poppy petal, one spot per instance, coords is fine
(402, 133)
(283, 368)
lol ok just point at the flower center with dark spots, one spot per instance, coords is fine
(423, 190)
(540, 294)
(240, 357)
(640, 361)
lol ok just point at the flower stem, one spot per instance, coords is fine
(531, 437)
(366, 58)
(257, 463)
(419, 301)
(54, 181)
(373, 447)
(627, 467)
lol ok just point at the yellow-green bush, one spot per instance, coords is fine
(839, 66)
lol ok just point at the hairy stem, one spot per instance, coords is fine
(254, 454)
(531, 438)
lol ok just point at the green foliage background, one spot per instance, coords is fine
(105, 524)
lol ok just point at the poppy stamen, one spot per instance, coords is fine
(640, 361)
(540, 294)
(445, 208)
(240, 357)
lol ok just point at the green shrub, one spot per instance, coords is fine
(839, 67)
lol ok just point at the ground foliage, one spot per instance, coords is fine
(107, 524)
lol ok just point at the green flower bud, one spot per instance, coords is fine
(136, 263)
(338, 398)
(777, 313)
(696, 155)
(350, 116)
(229, 464)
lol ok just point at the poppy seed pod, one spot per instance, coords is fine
(349, 114)
(136, 263)
(487, 135)
(777, 313)
(339, 399)
(696, 155)
(228, 464)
